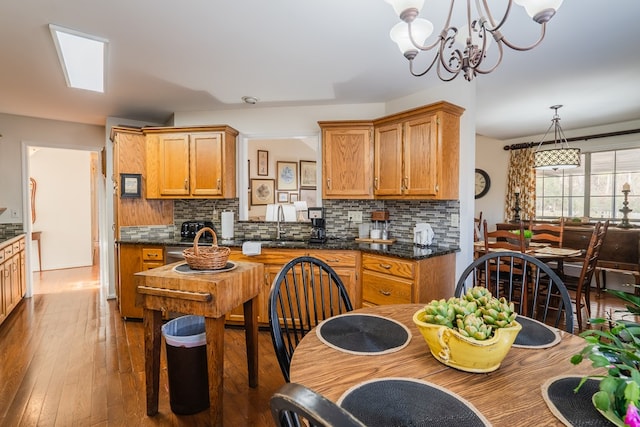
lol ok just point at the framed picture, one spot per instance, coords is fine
(283, 197)
(308, 195)
(293, 197)
(130, 185)
(262, 191)
(263, 163)
(287, 175)
(307, 174)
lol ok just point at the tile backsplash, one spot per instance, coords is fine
(9, 231)
(403, 215)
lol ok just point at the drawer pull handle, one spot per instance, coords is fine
(333, 260)
(385, 293)
(387, 266)
(152, 255)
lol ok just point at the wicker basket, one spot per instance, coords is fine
(206, 258)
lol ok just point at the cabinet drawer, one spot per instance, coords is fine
(382, 289)
(8, 251)
(388, 265)
(336, 258)
(16, 247)
(268, 256)
(153, 254)
(151, 264)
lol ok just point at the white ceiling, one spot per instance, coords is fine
(168, 55)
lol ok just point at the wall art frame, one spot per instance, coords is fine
(130, 185)
(263, 163)
(262, 191)
(287, 175)
(308, 176)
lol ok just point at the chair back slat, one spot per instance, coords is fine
(305, 292)
(533, 287)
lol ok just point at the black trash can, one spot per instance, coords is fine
(186, 345)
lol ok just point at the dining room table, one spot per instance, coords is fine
(509, 396)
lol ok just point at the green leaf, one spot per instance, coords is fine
(601, 400)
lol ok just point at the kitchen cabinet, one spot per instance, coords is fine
(416, 153)
(12, 275)
(391, 280)
(187, 163)
(345, 263)
(133, 258)
(347, 160)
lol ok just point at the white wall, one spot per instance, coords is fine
(63, 206)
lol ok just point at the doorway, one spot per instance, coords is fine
(62, 209)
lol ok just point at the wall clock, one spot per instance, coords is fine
(482, 183)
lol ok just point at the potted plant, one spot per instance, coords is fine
(472, 333)
(616, 348)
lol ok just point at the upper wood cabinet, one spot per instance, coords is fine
(198, 162)
(416, 153)
(347, 160)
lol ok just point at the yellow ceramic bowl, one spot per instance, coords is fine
(466, 354)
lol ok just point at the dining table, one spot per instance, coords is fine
(508, 396)
(176, 288)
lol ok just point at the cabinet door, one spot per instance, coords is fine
(347, 163)
(421, 157)
(174, 164)
(130, 262)
(387, 179)
(206, 164)
(3, 292)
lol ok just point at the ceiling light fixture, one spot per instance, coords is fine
(250, 100)
(82, 57)
(558, 157)
(472, 38)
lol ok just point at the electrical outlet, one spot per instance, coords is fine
(14, 213)
(455, 220)
(354, 216)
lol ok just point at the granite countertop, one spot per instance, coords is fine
(398, 249)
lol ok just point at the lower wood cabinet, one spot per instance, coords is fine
(345, 263)
(390, 280)
(132, 259)
(12, 275)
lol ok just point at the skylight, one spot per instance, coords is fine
(82, 57)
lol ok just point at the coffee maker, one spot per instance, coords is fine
(318, 230)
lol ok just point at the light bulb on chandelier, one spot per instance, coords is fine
(462, 49)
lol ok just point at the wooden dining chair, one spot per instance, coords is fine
(305, 292)
(582, 283)
(504, 239)
(295, 405)
(547, 232)
(533, 287)
(477, 228)
(551, 234)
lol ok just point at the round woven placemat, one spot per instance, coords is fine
(363, 334)
(573, 409)
(391, 402)
(535, 334)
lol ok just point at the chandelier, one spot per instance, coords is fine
(561, 156)
(462, 49)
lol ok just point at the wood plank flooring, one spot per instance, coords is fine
(68, 359)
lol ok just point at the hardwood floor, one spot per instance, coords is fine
(68, 359)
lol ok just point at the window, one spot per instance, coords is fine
(592, 190)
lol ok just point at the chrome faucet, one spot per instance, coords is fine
(279, 217)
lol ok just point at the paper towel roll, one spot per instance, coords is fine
(227, 225)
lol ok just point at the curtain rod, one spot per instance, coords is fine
(577, 138)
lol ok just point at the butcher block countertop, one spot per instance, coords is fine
(222, 291)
